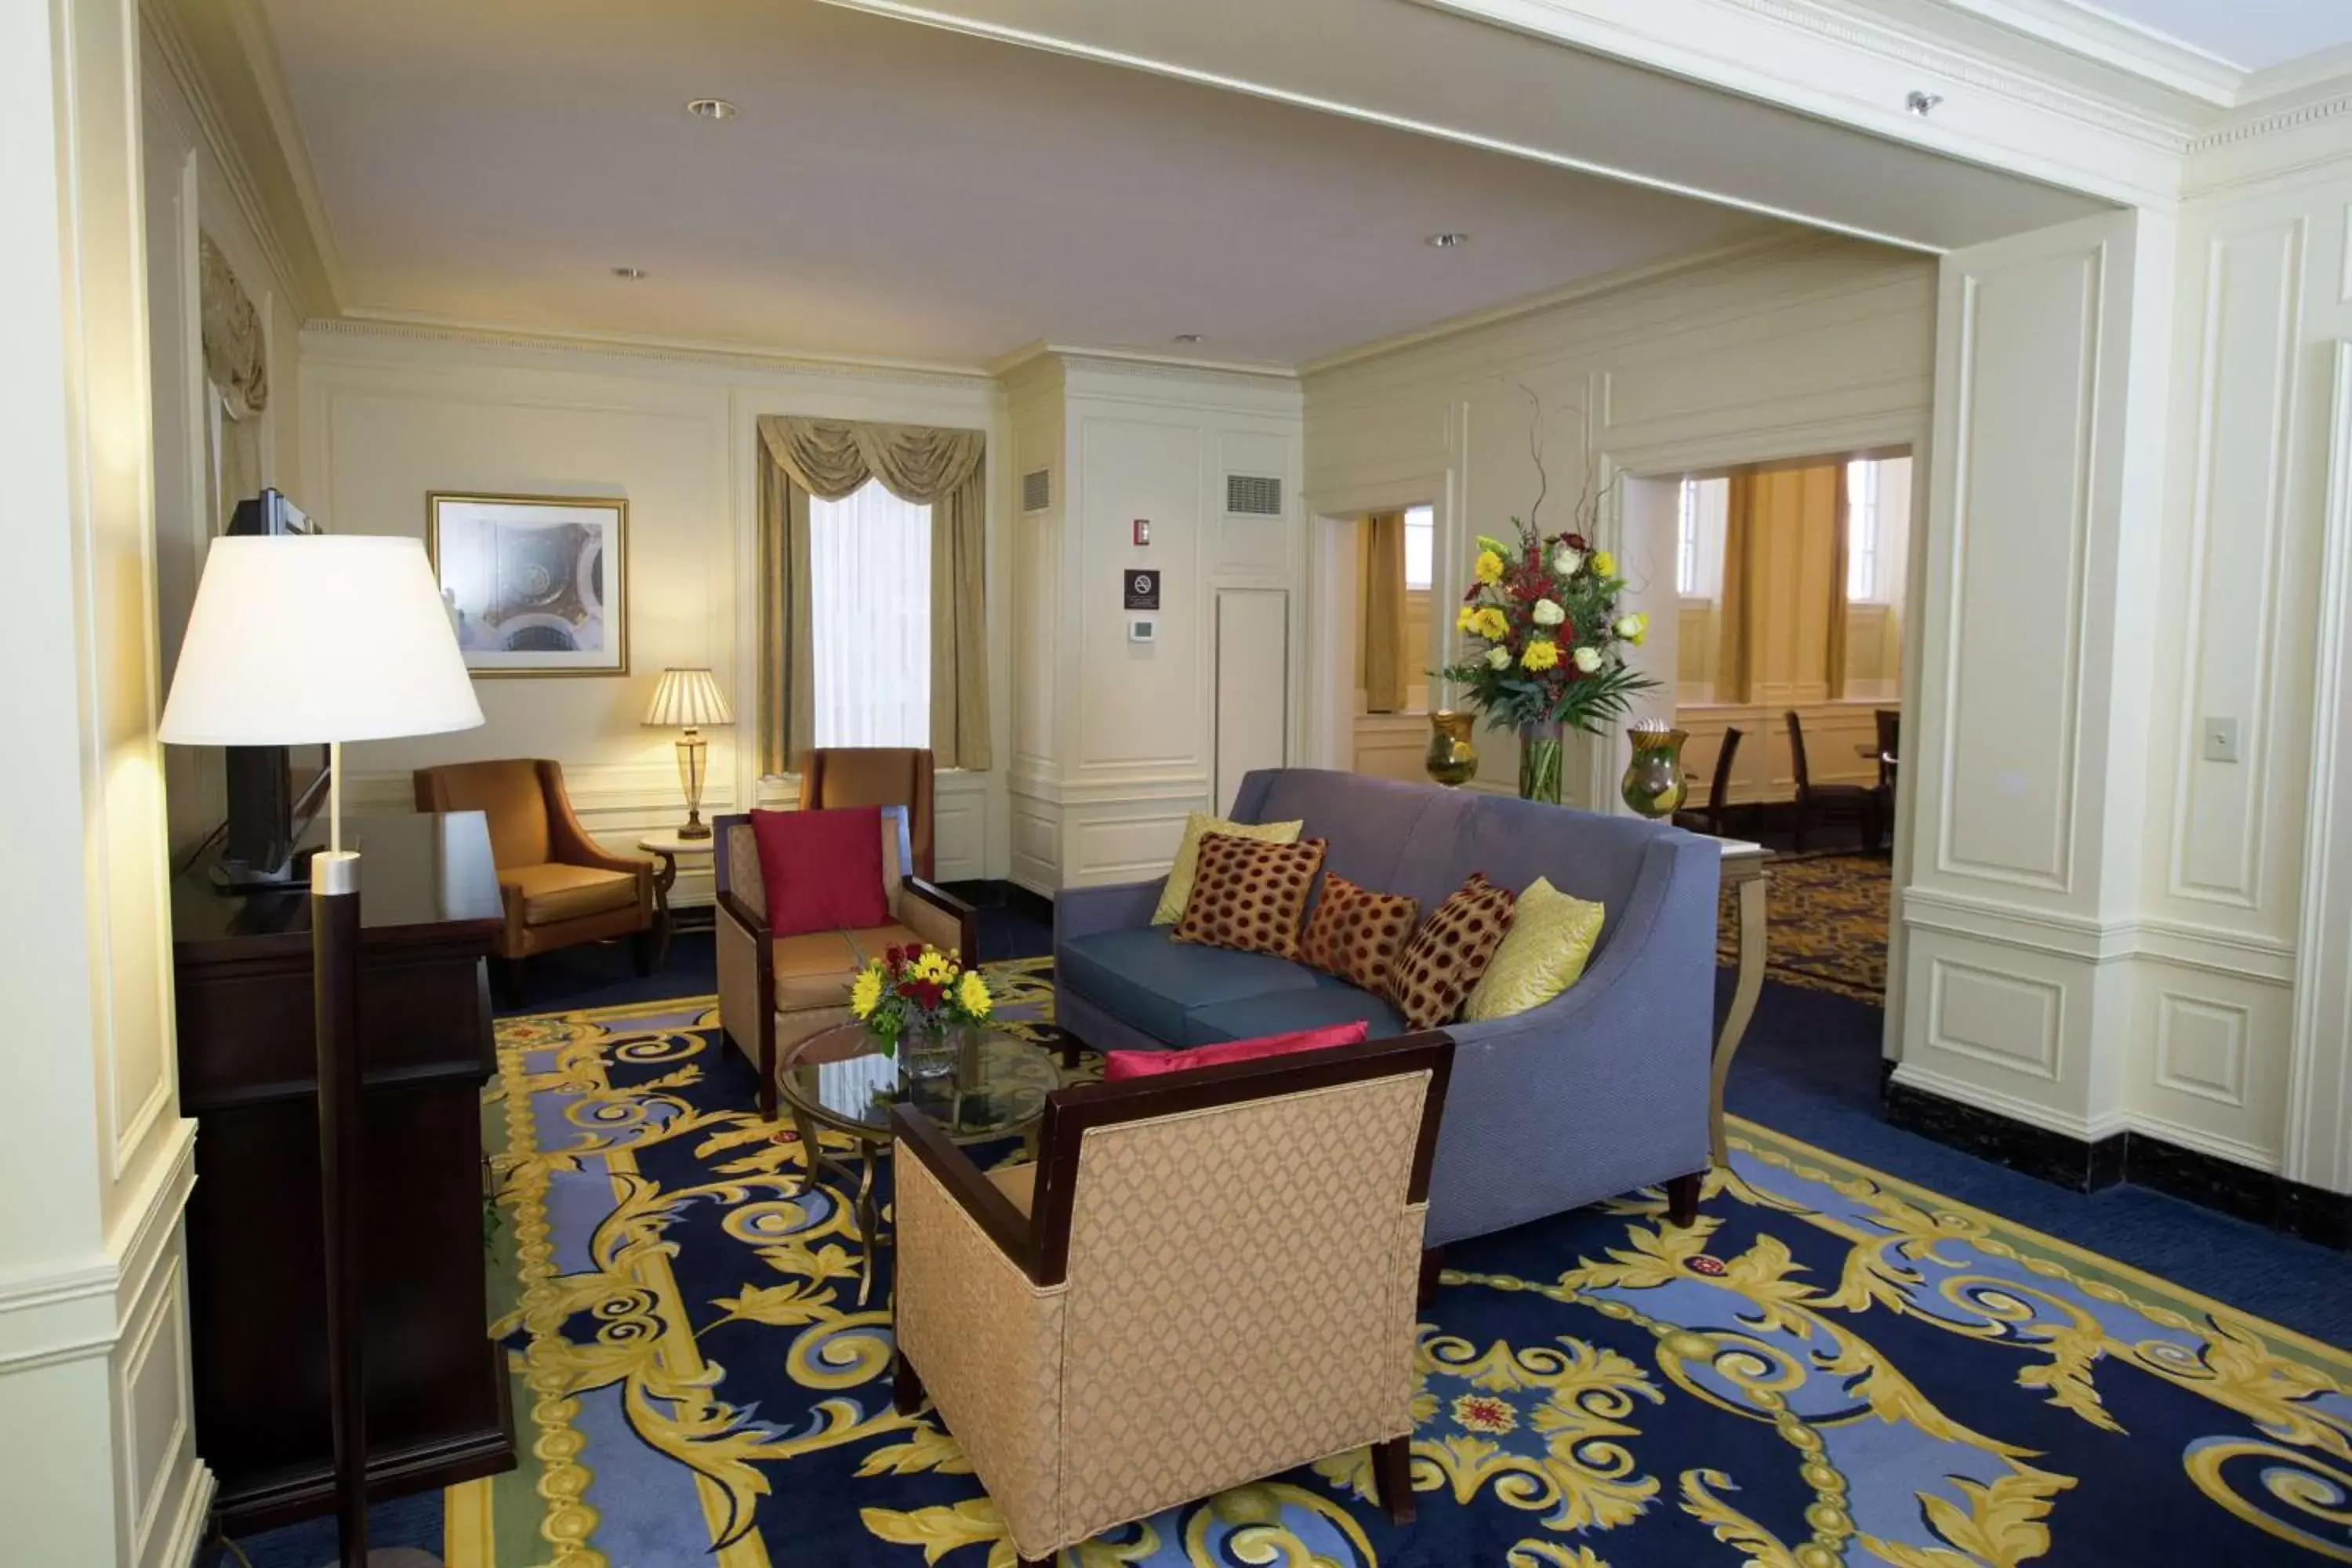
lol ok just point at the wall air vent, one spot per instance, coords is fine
(1038, 490)
(1253, 495)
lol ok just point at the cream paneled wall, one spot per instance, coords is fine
(1788, 345)
(98, 1460)
(1116, 741)
(2244, 903)
(392, 416)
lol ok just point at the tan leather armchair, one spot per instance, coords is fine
(777, 991)
(1076, 1322)
(874, 776)
(558, 886)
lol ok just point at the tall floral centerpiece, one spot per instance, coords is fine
(922, 1000)
(1544, 645)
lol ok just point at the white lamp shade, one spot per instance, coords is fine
(687, 698)
(296, 639)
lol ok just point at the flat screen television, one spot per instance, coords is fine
(273, 791)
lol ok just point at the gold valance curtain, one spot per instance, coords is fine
(830, 458)
(236, 362)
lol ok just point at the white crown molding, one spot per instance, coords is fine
(391, 326)
(1004, 365)
(170, 44)
(2113, 41)
(314, 291)
(2273, 115)
(276, 102)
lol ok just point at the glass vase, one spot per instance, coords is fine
(926, 1051)
(1539, 758)
(1452, 760)
(1653, 783)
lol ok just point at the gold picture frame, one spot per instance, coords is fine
(535, 584)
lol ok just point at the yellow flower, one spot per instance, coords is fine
(1605, 563)
(1466, 619)
(1540, 655)
(865, 991)
(1489, 568)
(971, 994)
(1492, 624)
(934, 965)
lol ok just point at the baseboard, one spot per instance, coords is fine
(187, 1537)
(2225, 1186)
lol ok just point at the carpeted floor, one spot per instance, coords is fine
(1832, 1365)
(1941, 1397)
(1825, 918)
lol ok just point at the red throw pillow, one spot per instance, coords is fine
(822, 869)
(1117, 1065)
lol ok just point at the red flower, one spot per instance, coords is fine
(1700, 1263)
(1576, 542)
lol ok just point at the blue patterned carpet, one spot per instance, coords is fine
(1832, 1366)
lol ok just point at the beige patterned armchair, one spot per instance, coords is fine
(776, 990)
(1206, 1277)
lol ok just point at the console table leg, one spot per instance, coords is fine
(1744, 991)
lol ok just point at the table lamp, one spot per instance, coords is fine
(689, 697)
(295, 640)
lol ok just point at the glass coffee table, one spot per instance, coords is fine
(840, 1079)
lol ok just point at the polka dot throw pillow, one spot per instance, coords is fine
(1249, 895)
(1442, 964)
(1356, 932)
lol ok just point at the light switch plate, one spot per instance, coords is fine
(2220, 740)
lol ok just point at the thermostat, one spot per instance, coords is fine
(1141, 630)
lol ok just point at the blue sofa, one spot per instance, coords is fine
(1601, 1089)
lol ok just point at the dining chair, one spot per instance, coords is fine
(1715, 817)
(1828, 805)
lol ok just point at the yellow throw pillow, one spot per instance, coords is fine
(1551, 937)
(1173, 897)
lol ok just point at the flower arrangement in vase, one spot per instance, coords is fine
(1546, 644)
(920, 996)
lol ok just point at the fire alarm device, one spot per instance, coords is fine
(1143, 531)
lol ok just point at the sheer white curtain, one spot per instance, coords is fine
(870, 618)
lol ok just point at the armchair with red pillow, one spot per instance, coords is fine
(807, 899)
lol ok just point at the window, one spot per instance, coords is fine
(870, 619)
(1419, 536)
(1862, 555)
(1686, 578)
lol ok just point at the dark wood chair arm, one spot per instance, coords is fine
(981, 1198)
(967, 917)
(741, 913)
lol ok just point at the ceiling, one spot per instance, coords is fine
(899, 192)
(2253, 34)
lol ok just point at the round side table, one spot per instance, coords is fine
(666, 848)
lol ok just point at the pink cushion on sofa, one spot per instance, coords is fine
(1117, 1065)
(822, 869)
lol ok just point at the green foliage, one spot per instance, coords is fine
(1523, 664)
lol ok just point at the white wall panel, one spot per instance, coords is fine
(2027, 349)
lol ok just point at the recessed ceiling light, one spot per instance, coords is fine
(1188, 337)
(1448, 240)
(630, 274)
(710, 107)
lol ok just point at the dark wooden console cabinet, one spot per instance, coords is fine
(437, 1402)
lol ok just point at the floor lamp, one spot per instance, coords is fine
(294, 640)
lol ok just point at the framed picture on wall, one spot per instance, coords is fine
(536, 585)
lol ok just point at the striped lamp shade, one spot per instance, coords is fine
(687, 698)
